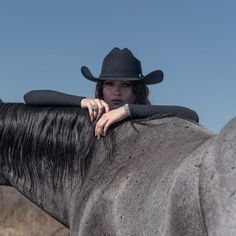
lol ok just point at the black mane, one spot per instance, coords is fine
(34, 138)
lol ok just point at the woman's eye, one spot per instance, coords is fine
(109, 83)
(126, 85)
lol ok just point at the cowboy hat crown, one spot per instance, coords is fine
(121, 64)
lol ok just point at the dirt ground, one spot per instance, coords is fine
(20, 217)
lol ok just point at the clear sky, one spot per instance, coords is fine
(44, 43)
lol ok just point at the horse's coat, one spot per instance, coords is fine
(163, 177)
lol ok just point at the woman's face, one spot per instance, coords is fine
(117, 93)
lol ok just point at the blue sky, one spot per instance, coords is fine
(44, 43)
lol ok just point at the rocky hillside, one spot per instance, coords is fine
(20, 217)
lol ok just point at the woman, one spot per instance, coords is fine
(121, 92)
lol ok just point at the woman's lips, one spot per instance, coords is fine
(118, 101)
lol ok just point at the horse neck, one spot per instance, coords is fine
(38, 147)
(4, 182)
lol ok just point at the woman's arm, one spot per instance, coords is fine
(143, 111)
(50, 97)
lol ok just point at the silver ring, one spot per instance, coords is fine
(94, 107)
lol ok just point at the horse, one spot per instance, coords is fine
(162, 176)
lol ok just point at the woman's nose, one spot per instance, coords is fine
(117, 90)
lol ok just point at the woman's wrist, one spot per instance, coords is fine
(127, 110)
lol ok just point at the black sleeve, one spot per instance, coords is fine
(50, 97)
(143, 111)
(1, 101)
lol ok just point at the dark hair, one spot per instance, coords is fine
(140, 90)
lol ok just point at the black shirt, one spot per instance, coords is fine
(50, 97)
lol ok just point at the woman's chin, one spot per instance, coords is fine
(115, 106)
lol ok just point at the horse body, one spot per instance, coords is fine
(163, 177)
(135, 194)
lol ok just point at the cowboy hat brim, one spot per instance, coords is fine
(153, 77)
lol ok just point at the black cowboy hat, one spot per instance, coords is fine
(121, 64)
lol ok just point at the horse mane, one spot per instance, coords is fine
(57, 139)
(33, 138)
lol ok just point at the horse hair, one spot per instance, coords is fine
(33, 138)
(54, 138)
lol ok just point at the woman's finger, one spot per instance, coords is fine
(90, 112)
(95, 113)
(96, 108)
(100, 109)
(106, 126)
(106, 106)
(99, 129)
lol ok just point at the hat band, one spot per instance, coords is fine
(122, 75)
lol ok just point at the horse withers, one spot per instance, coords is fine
(166, 176)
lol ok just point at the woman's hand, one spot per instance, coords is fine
(91, 104)
(108, 119)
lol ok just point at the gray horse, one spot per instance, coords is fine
(166, 176)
